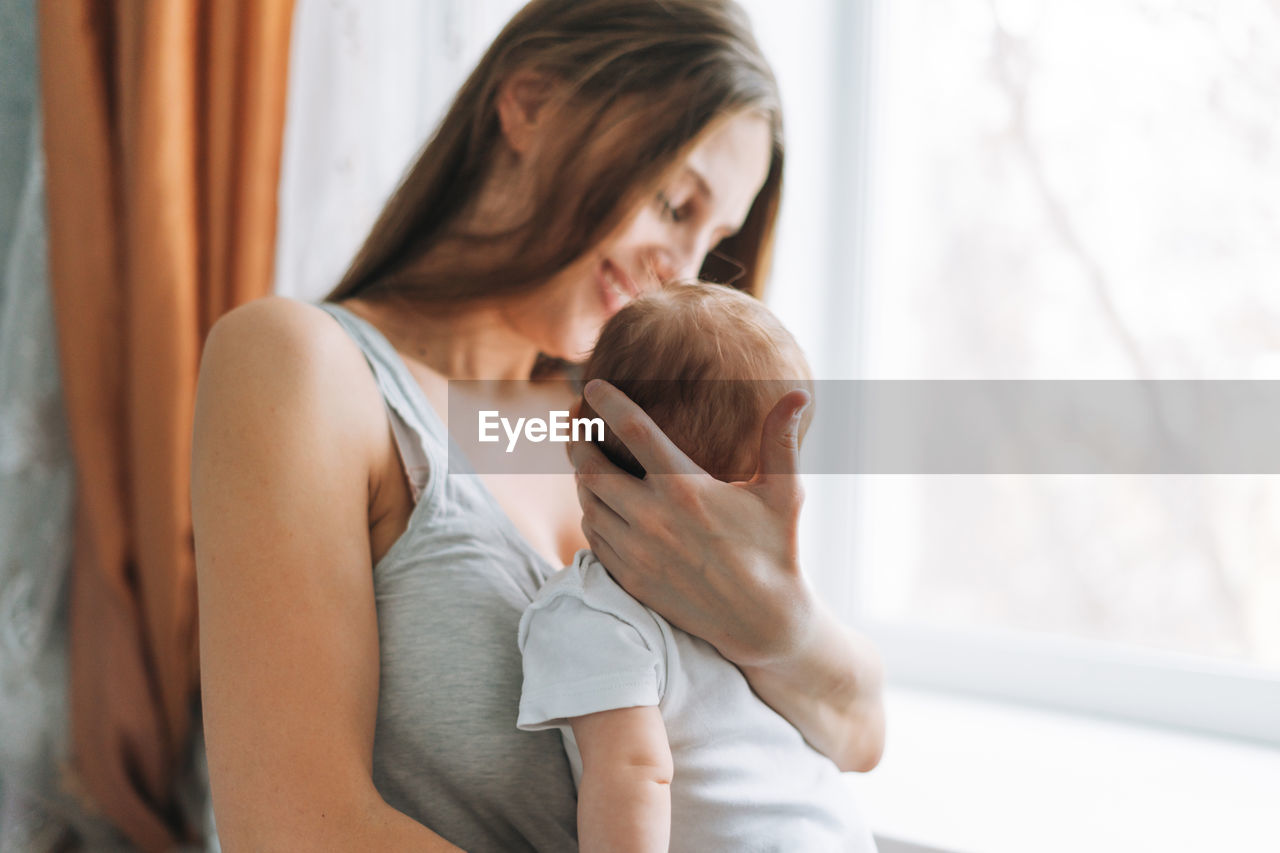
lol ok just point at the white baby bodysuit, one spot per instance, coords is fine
(744, 778)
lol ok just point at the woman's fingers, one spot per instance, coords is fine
(716, 559)
(605, 554)
(601, 536)
(777, 479)
(597, 516)
(650, 446)
(615, 488)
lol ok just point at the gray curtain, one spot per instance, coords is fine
(35, 472)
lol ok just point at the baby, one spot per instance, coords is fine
(668, 744)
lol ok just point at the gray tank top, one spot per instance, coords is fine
(450, 593)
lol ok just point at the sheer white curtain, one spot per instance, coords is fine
(367, 84)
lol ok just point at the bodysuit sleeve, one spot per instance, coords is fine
(587, 647)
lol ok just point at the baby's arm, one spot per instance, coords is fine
(595, 669)
(624, 799)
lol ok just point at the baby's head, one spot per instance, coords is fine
(707, 363)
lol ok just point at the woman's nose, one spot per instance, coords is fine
(664, 266)
(677, 263)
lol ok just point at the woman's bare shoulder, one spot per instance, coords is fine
(277, 328)
(277, 363)
(288, 344)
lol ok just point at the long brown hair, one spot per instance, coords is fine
(652, 74)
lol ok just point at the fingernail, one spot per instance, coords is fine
(591, 387)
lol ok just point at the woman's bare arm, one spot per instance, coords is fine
(829, 686)
(286, 425)
(721, 561)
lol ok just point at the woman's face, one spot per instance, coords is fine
(706, 199)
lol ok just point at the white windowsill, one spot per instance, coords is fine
(968, 776)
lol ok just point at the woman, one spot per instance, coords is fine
(358, 609)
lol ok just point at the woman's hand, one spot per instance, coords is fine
(721, 561)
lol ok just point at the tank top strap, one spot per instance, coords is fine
(420, 436)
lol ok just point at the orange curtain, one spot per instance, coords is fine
(163, 122)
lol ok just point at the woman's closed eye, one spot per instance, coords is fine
(676, 214)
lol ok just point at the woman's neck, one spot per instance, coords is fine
(471, 342)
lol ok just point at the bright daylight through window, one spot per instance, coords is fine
(1048, 204)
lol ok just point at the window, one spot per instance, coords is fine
(1063, 191)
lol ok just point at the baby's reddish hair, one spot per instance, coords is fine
(706, 363)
